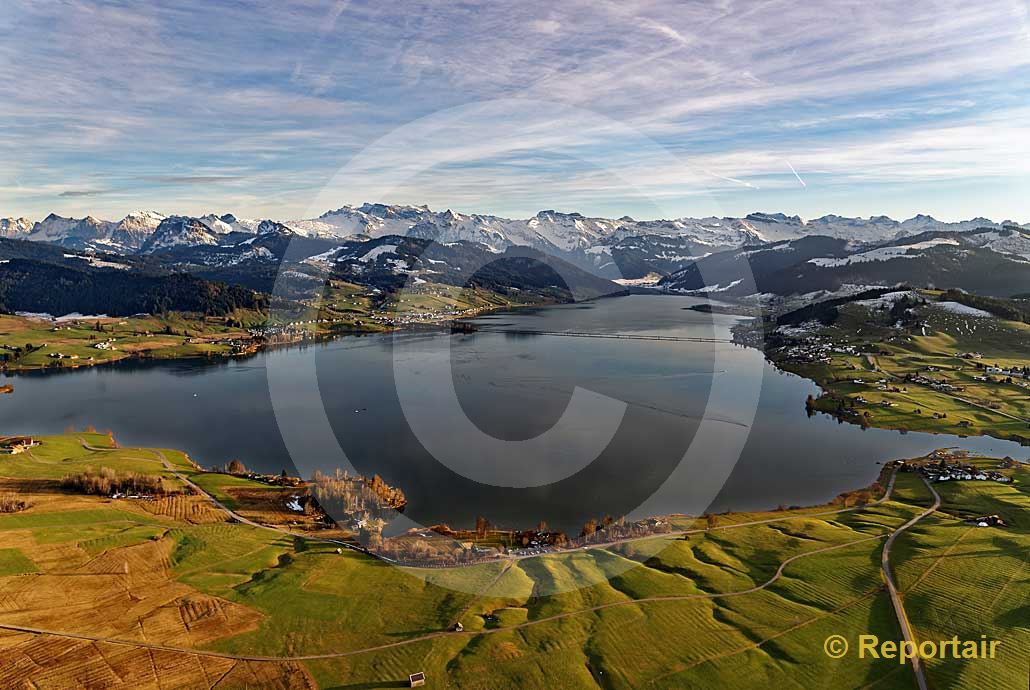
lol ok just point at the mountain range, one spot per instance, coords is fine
(759, 253)
(549, 231)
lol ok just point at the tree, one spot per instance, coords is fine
(371, 535)
(237, 467)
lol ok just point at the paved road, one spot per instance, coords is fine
(892, 589)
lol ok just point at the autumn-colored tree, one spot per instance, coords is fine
(11, 503)
(371, 534)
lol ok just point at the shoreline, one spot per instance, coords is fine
(652, 527)
(261, 344)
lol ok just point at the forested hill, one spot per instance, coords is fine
(38, 286)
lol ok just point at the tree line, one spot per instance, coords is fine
(106, 482)
(36, 286)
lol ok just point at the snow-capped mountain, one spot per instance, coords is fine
(133, 230)
(70, 231)
(612, 248)
(124, 236)
(572, 233)
(985, 261)
(178, 231)
(228, 223)
(15, 227)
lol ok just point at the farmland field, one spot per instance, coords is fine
(941, 373)
(696, 609)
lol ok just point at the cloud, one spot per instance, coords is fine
(853, 92)
(82, 192)
(545, 26)
(193, 179)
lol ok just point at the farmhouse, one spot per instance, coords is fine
(12, 445)
(417, 680)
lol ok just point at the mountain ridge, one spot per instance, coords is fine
(835, 249)
(564, 231)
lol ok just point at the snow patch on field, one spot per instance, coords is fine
(884, 253)
(957, 308)
(719, 288)
(886, 300)
(800, 330)
(375, 252)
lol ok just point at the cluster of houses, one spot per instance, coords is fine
(956, 471)
(814, 351)
(289, 332)
(1001, 371)
(942, 386)
(12, 445)
(281, 479)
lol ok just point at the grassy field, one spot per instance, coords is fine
(34, 343)
(37, 342)
(874, 386)
(705, 609)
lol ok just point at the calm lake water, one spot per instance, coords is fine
(511, 388)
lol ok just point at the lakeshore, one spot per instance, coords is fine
(512, 386)
(40, 341)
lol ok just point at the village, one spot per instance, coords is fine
(13, 445)
(944, 471)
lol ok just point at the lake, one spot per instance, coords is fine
(489, 407)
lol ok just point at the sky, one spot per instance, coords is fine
(647, 108)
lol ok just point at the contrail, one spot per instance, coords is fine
(795, 173)
(730, 179)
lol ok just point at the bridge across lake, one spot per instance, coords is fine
(615, 336)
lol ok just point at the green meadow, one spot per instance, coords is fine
(705, 609)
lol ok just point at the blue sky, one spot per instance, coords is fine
(640, 107)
